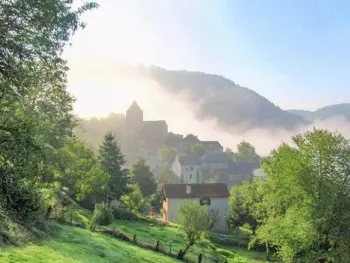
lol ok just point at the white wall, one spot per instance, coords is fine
(176, 167)
(216, 203)
(189, 173)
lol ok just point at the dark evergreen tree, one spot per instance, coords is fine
(112, 160)
(142, 175)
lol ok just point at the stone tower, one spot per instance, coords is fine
(134, 119)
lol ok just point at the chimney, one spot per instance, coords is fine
(188, 189)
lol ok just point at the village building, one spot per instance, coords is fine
(216, 166)
(215, 196)
(208, 146)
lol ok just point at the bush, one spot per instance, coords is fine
(124, 214)
(103, 215)
(225, 252)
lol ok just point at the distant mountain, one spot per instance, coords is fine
(221, 98)
(337, 110)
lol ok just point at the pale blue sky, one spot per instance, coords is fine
(296, 53)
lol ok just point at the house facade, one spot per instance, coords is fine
(215, 196)
(217, 166)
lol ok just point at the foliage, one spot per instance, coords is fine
(166, 176)
(214, 217)
(103, 215)
(142, 175)
(195, 221)
(112, 160)
(307, 199)
(93, 130)
(156, 198)
(246, 153)
(35, 108)
(134, 200)
(243, 205)
(79, 171)
(124, 214)
(173, 140)
(230, 154)
(167, 154)
(195, 149)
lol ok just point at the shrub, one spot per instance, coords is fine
(134, 200)
(103, 215)
(225, 252)
(124, 214)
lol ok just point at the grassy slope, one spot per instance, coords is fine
(171, 234)
(71, 244)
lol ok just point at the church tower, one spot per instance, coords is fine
(134, 117)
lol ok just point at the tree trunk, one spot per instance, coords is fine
(182, 254)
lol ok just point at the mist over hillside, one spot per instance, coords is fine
(210, 106)
(324, 113)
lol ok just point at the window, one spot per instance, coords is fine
(191, 168)
(204, 201)
(190, 176)
(186, 169)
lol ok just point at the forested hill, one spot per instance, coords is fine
(219, 97)
(337, 110)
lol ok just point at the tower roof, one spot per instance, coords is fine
(134, 106)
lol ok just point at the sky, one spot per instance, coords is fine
(296, 53)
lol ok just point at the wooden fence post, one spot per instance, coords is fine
(200, 258)
(157, 246)
(134, 238)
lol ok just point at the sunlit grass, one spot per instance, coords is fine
(173, 236)
(73, 245)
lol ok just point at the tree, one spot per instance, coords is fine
(112, 160)
(166, 176)
(195, 149)
(156, 198)
(35, 109)
(246, 153)
(94, 183)
(307, 198)
(242, 202)
(134, 200)
(230, 154)
(79, 171)
(142, 175)
(167, 154)
(173, 140)
(198, 149)
(195, 221)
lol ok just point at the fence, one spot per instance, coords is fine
(162, 247)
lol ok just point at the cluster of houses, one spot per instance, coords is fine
(193, 172)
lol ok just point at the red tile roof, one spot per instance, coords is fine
(197, 190)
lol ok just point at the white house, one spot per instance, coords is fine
(214, 195)
(189, 167)
(198, 169)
